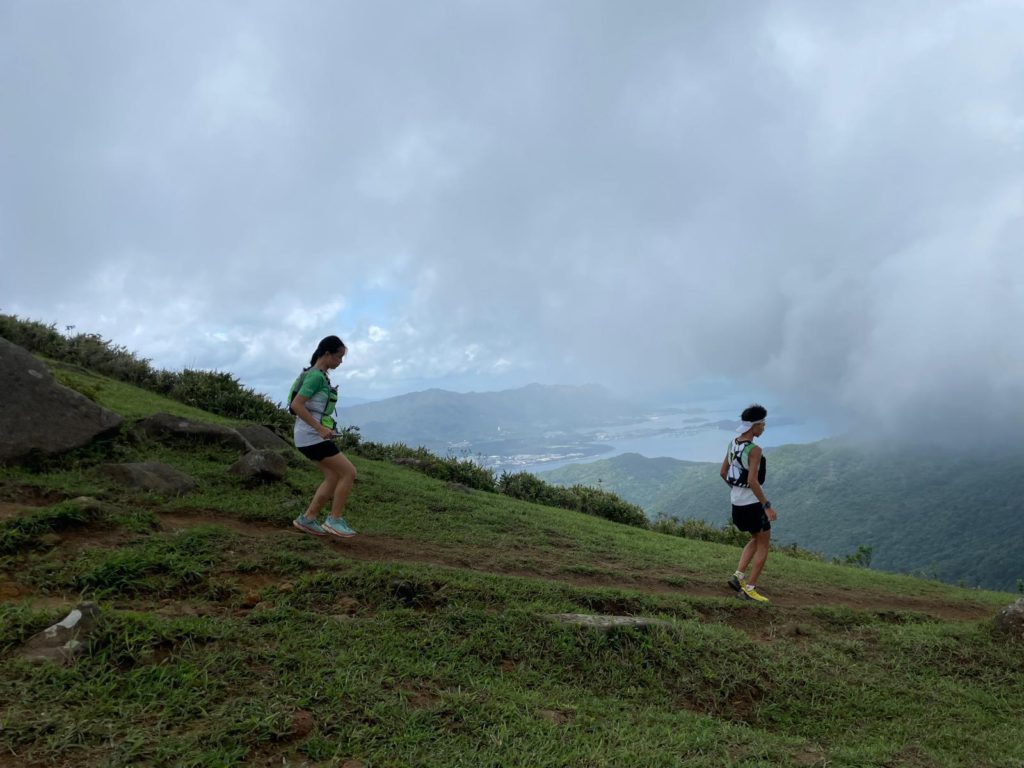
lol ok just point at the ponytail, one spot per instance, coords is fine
(327, 345)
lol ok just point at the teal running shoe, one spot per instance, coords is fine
(338, 527)
(306, 525)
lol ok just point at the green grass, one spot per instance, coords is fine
(130, 402)
(221, 628)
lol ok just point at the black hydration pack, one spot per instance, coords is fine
(738, 474)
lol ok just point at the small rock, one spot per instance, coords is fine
(151, 476)
(260, 466)
(64, 641)
(251, 600)
(605, 623)
(49, 539)
(1010, 620)
(87, 504)
(261, 437)
(168, 428)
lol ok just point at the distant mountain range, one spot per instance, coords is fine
(933, 513)
(516, 420)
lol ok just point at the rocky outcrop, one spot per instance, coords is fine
(151, 476)
(177, 429)
(261, 438)
(65, 641)
(260, 466)
(1010, 620)
(39, 415)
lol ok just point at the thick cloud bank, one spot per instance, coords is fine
(822, 199)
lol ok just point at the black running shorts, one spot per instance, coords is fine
(750, 518)
(319, 451)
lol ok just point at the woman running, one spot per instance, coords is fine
(313, 404)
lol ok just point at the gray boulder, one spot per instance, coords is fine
(65, 641)
(38, 414)
(263, 438)
(1010, 620)
(260, 466)
(167, 428)
(151, 476)
(604, 623)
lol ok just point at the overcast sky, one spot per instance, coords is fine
(823, 200)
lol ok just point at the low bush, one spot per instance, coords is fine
(214, 391)
(727, 534)
(450, 468)
(580, 498)
(700, 530)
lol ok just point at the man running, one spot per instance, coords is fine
(751, 510)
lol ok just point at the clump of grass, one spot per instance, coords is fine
(180, 564)
(23, 532)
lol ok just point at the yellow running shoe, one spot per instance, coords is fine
(749, 592)
(737, 583)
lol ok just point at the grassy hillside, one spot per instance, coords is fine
(939, 514)
(227, 638)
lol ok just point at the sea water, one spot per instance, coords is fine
(692, 432)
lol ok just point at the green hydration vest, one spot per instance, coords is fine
(332, 398)
(738, 474)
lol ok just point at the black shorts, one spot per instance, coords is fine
(750, 518)
(319, 451)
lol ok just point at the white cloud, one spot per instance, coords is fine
(818, 197)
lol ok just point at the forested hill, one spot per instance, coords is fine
(437, 416)
(952, 517)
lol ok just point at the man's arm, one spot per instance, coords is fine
(753, 464)
(725, 468)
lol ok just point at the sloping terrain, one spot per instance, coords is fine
(228, 638)
(928, 512)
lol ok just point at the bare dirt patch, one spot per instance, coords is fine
(790, 605)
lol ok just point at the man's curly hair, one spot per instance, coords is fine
(754, 412)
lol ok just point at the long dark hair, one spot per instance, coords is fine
(328, 345)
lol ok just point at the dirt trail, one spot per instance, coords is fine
(381, 548)
(788, 602)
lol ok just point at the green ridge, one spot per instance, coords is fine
(227, 639)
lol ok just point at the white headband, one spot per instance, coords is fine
(747, 425)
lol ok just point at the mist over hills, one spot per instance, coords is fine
(937, 513)
(527, 419)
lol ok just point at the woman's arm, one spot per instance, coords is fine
(299, 406)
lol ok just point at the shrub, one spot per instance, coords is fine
(700, 530)
(451, 469)
(213, 391)
(592, 501)
(523, 485)
(579, 498)
(221, 393)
